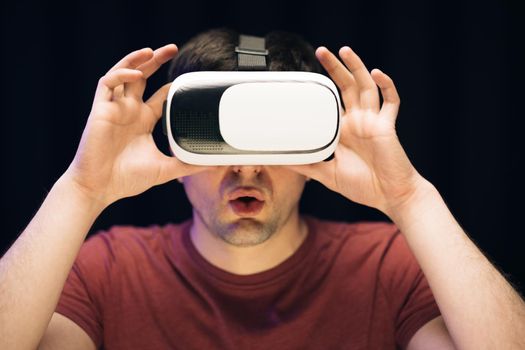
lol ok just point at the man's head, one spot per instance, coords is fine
(211, 192)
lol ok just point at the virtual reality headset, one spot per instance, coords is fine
(252, 116)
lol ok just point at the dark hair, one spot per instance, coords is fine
(214, 50)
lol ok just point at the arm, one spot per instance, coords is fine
(433, 335)
(34, 269)
(480, 308)
(117, 158)
(62, 333)
(370, 167)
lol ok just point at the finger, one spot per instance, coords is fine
(118, 92)
(134, 59)
(155, 102)
(111, 80)
(341, 76)
(368, 94)
(160, 56)
(391, 99)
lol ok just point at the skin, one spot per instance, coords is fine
(118, 158)
(245, 245)
(370, 167)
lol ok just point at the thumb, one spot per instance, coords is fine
(157, 99)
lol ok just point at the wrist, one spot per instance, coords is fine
(92, 203)
(422, 191)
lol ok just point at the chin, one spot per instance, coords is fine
(243, 231)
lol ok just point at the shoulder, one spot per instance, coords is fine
(353, 228)
(128, 241)
(360, 234)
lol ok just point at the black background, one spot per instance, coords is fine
(457, 67)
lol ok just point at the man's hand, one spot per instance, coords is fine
(117, 156)
(481, 310)
(370, 166)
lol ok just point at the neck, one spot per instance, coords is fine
(249, 260)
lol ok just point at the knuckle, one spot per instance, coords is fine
(345, 86)
(395, 99)
(331, 65)
(118, 71)
(157, 60)
(147, 50)
(103, 80)
(369, 90)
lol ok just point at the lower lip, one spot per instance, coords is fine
(251, 208)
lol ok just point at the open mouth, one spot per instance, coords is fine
(246, 199)
(246, 205)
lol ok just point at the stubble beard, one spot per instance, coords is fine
(241, 232)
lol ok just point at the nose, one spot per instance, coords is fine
(247, 169)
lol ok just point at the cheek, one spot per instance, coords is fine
(198, 191)
(290, 191)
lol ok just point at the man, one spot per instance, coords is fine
(248, 276)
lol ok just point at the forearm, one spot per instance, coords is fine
(480, 308)
(34, 269)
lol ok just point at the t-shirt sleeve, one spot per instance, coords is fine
(82, 297)
(411, 300)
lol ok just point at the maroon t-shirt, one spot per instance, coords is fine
(348, 286)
